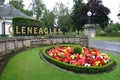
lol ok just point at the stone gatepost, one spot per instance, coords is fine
(90, 32)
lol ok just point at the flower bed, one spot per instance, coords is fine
(84, 61)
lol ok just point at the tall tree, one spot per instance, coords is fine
(37, 7)
(18, 4)
(99, 13)
(27, 12)
(60, 9)
(63, 16)
(48, 19)
(78, 4)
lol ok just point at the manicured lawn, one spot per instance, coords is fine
(28, 66)
(108, 38)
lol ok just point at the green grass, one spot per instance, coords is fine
(28, 66)
(108, 38)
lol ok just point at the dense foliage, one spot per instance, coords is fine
(38, 8)
(18, 4)
(112, 28)
(77, 49)
(20, 21)
(75, 19)
(48, 19)
(63, 19)
(99, 13)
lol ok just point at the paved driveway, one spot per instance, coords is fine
(108, 45)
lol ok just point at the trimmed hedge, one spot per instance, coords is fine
(77, 49)
(21, 21)
(78, 69)
(109, 34)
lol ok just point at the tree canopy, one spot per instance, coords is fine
(18, 4)
(99, 13)
(48, 19)
(37, 8)
(63, 17)
(75, 19)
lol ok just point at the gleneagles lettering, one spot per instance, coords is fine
(35, 30)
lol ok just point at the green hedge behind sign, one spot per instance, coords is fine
(30, 27)
(21, 26)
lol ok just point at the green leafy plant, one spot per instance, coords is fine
(77, 49)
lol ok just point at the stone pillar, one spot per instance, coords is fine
(90, 32)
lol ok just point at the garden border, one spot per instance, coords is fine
(80, 69)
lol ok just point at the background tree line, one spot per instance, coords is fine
(18, 4)
(68, 20)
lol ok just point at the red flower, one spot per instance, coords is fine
(92, 57)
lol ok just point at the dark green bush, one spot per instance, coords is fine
(78, 69)
(109, 34)
(77, 49)
(21, 21)
(112, 28)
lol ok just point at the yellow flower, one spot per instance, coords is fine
(97, 63)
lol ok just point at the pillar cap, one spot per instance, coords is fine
(88, 26)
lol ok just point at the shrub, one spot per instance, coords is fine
(21, 21)
(109, 34)
(77, 49)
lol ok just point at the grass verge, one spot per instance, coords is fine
(108, 38)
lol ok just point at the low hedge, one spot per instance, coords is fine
(78, 69)
(20, 25)
(21, 21)
(109, 34)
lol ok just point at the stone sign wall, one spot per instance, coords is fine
(8, 44)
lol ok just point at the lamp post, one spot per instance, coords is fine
(89, 14)
(90, 28)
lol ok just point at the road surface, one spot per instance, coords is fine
(108, 45)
